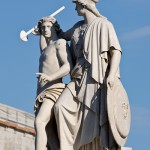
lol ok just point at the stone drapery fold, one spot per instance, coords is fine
(99, 38)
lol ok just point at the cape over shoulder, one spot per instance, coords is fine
(99, 38)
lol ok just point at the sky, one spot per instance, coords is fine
(19, 60)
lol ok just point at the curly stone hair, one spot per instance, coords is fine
(52, 20)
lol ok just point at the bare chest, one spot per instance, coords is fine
(50, 53)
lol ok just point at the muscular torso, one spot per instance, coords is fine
(49, 62)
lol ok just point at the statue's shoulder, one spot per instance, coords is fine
(60, 43)
(104, 21)
(107, 22)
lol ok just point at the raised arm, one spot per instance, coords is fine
(66, 35)
(43, 43)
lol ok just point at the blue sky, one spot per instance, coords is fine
(19, 60)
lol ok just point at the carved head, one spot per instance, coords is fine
(47, 25)
(89, 5)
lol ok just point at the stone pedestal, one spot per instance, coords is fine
(125, 148)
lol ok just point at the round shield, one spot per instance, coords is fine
(118, 112)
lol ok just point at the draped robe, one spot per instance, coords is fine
(99, 38)
(88, 83)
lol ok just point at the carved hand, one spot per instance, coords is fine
(110, 81)
(36, 31)
(43, 77)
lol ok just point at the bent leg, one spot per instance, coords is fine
(68, 119)
(44, 115)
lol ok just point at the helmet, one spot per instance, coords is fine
(85, 1)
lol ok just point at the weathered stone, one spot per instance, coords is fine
(11, 138)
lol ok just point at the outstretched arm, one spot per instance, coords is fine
(67, 35)
(43, 42)
(114, 65)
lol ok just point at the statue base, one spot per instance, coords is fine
(125, 148)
